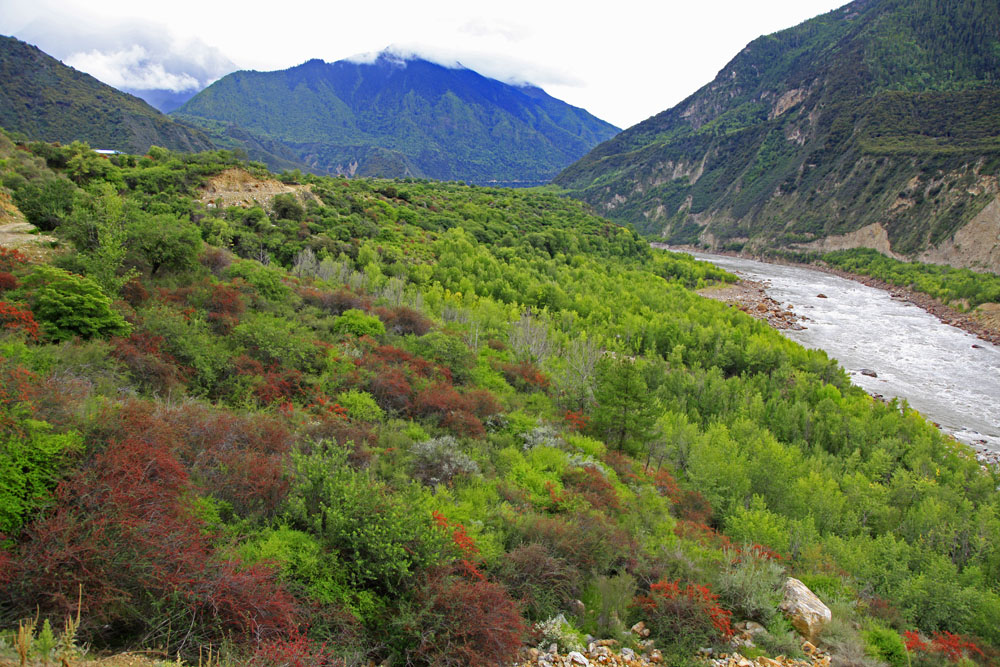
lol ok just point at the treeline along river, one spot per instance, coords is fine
(950, 376)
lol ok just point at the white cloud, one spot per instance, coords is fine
(131, 68)
(512, 70)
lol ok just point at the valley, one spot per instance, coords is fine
(291, 377)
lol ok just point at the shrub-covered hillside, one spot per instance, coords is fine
(425, 423)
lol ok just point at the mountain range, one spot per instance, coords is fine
(875, 124)
(47, 100)
(398, 116)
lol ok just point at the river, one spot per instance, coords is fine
(950, 376)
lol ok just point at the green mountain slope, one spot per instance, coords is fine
(396, 117)
(881, 116)
(47, 100)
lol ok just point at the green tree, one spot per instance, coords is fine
(166, 241)
(70, 305)
(626, 410)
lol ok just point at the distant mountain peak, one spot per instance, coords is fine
(401, 112)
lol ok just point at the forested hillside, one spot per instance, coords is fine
(45, 99)
(397, 117)
(880, 115)
(425, 423)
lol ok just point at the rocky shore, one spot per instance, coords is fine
(751, 297)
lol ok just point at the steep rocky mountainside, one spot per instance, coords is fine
(882, 116)
(47, 100)
(398, 117)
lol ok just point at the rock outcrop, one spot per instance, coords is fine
(806, 612)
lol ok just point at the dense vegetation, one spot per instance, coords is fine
(881, 111)
(395, 117)
(418, 421)
(45, 99)
(957, 287)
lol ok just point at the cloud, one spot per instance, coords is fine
(138, 55)
(508, 69)
(510, 31)
(132, 68)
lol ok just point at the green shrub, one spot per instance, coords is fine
(886, 645)
(357, 323)
(69, 305)
(360, 406)
(30, 464)
(751, 585)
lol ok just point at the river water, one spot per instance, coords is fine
(950, 376)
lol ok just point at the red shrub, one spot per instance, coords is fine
(704, 534)
(525, 376)
(576, 421)
(458, 622)
(11, 258)
(7, 281)
(295, 650)
(121, 528)
(391, 390)
(404, 320)
(691, 612)
(942, 645)
(225, 305)
(152, 367)
(334, 303)
(453, 409)
(18, 318)
(588, 542)
(483, 404)
(591, 485)
(134, 293)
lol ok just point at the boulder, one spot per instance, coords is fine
(577, 658)
(806, 612)
(869, 372)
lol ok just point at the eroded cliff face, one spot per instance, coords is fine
(824, 136)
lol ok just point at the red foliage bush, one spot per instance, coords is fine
(404, 320)
(295, 650)
(460, 622)
(391, 390)
(121, 528)
(702, 533)
(588, 542)
(271, 384)
(152, 367)
(453, 409)
(18, 318)
(336, 302)
(576, 421)
(591, 485)
(690, 612)
(7, 281)
(945, 645)
(224, 305)
(11, 258)
(524, 376)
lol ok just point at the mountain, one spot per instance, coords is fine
(162, 99)
(403, 117)
(47, 100)
(875, 124)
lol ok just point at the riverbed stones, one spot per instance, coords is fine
(807, 613)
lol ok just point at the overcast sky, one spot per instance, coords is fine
(623, 60)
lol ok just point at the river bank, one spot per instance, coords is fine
(889, 346)
(985, 324)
